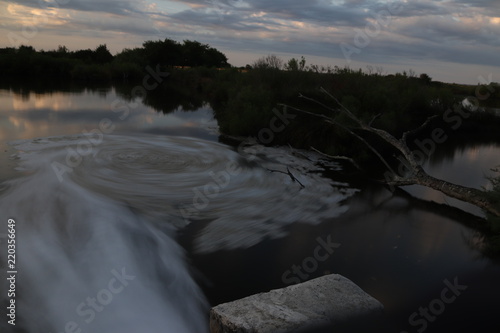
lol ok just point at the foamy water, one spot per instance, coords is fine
(96, 226)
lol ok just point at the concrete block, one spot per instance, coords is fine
(324, 301)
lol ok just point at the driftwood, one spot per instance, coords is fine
(417, 175)
(289, 174)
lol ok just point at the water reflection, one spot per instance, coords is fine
(54, 110)
(28, 114)
(464, 162)
(396, 247)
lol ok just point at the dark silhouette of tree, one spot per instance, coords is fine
(101, 55)
(100, 64)
(61, 49)
(26, 50)
(215, 58)
(426, 78)
(86, 56)
(192, 54)
(195, 54)
(172, 52)
(167, 52)
(271, 61)
(134, 56)
(296, 65)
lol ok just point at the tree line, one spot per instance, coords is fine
(99, 64)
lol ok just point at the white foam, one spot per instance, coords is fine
(118, 208)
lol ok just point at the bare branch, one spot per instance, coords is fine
(387, 165)
(399, 145)
(308, 112)
(418, 129)
(319, 103)
(333, 122)
(418, 175)
(337, 157)
(346, 110)
(289, 173)
(374, 118)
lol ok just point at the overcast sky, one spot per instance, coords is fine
(451, 40)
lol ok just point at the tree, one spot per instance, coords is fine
(193, 53)
(197, 54)
(167, 52)
(415, 174)
(171, 52)
(84, 55)
(215, 58)
(133, 56)
(190, 53)
(426, 78)
(23, 49)
(61, 49)
(269, 62)
(102, 55)
(380, 70)
(295, 65)
(292, 65)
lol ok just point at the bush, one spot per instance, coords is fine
(127, 71)
(91, 73)
(247, 111)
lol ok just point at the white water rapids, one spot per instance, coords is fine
(96, 247)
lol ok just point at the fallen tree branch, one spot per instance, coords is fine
(353, 162)
(417, 175)
(420, 128)
(289, 173)
(333, 122)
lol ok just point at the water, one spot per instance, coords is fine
(97, 214)
(145, 214)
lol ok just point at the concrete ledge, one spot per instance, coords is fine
(326, 301)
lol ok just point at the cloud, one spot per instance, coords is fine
(488, 4)
(229, 21)
(453, 30)
(459, 31)
(118, 7)
(314, 12)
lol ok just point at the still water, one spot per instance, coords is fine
(131, 219)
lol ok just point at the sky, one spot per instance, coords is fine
(451, 40)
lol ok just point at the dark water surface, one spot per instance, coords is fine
(101, 185)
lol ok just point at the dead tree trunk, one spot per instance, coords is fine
(417, 175)
(466, 194)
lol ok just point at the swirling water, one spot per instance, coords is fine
(98, 237)
(97, 227)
